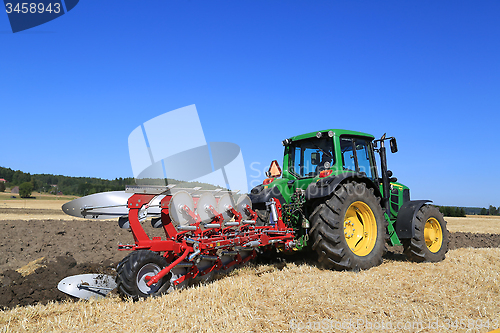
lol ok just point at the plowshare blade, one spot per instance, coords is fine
(105, 205)
(86, 286)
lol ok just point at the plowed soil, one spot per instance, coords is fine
(82, 246)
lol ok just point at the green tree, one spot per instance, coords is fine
(25, 189)
(492, 210)
(36, 183)
(483, 211)
(20, 177)
(462, 212)
(447, 211)
(2, 187)
(452, 211)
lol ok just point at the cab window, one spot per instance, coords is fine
(357, 155)
(311, 156)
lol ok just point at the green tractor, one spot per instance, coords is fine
(342, 207)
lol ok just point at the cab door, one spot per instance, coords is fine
(307, 159)
(357, 155)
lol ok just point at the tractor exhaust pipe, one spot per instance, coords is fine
(383, 168)
(385, 175)
(385, 179)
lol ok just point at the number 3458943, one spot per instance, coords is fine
(33, 8)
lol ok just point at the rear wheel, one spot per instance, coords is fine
(348, 230)
(132, 272)
(430, 242)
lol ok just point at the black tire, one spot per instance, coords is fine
(132, 270)
(328, 228)
(419, 249)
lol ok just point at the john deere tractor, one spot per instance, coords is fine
(345, 209)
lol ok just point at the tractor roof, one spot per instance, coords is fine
(336, 132)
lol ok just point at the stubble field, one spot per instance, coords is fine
(44, 245)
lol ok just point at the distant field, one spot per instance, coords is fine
(475, 224)
(31, 209)
(33, 204)
(48, 206)
(38, 196)
(45, 206)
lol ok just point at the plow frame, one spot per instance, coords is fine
(184, 246)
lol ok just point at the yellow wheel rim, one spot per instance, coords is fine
(433, 235)
(360, 228)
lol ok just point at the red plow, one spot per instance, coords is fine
(207, 233)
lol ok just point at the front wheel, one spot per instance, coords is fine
(430, 242)
(132, 272)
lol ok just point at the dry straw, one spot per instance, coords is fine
(475, 224)
(464, 287)
(31, 267)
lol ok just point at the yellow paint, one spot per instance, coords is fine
(360, 228)
(433, 235)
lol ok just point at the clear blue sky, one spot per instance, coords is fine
(427, 72)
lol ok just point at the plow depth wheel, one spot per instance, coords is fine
(348, 230)
(430, 242)
(147, 270)
(133, 270)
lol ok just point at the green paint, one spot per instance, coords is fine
(393, 238)
(292, 184)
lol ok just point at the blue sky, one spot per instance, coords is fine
(426, 72)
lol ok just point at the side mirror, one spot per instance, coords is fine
(394, 145)
(314, 158)
(274, 170)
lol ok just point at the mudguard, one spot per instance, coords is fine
(264, 195)
(325, 186)
(405, 222)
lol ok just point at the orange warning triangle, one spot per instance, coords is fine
(274, 169)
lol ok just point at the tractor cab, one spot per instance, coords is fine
(333, 151)
(308, 157)
(330, 157)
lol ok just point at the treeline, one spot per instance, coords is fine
(462, 211)
(452, 211)
(58, 184)
(490, 211)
